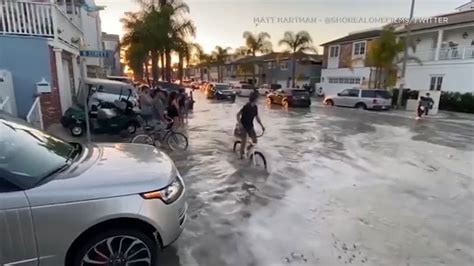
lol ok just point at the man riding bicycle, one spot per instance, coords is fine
(245, 119)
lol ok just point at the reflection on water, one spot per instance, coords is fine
(339, 184)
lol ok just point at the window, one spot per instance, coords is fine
(436, 83)
(359, 48)
(271, 65)
(353, 93)
(284, 66)
(344, 80)
(334, 51)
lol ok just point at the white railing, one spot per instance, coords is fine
(34, 116)
(5, 105)
(453, 53)
(38, 19)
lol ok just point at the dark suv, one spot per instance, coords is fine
(290, 98)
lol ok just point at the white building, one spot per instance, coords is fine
(446, 51)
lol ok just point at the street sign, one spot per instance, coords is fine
(90, 53)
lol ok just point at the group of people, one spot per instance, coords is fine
(161, 106)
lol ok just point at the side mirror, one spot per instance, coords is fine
(339, 94)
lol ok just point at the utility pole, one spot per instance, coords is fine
(405, 56)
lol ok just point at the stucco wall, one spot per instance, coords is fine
(29, 61)
(456, 76)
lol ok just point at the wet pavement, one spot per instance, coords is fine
(343, 187)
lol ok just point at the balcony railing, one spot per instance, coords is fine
(38, 19)
(452, 53)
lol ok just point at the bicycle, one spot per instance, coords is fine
(176, 141)
(255, 157)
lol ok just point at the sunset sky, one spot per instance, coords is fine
(222, 22)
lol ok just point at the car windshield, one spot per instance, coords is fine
(28, 155)
(299, 92)
(247, 87)
(222, 87)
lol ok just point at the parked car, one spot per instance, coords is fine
(268, 88)
(376, 99)
(84, 204)
(104, 90)
(290, 98)
(243, 89)
(220, 91)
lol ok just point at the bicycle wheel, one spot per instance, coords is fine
(177, 141)
(237, 144)
(260, 160)
(142, 139)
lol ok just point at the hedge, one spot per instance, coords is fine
(457, 102)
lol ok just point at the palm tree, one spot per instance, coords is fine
(257, 43)
(297, 43)
(185, 52)
(220, 55)
(163, 28)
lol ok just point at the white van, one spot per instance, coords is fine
(243, 89)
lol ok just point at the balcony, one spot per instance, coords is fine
(452, 53)
(44, 20)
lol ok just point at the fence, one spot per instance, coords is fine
(34, 116)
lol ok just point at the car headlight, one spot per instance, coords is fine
(168, 194)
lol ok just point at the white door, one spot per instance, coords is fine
(7, 93)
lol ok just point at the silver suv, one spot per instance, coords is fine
(74, 204)
(376, 99)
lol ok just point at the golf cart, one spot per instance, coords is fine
(118, 117)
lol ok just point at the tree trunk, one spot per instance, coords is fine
(147, 74)
(180, 68)
(162, 59)
(168, 65)
(380, 78)
(293, 78)
(154, 65)
(370, 77)
(201, 73)
(208, 73)
(253, 71)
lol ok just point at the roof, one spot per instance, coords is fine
(356, 37)
(465, 5)
(457, 18)
(105, 82)
(273, 56)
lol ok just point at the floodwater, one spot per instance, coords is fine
(343, 187)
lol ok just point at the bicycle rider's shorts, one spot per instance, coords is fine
(249, 131)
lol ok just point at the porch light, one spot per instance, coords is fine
(465, 35)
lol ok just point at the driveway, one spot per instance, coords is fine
(344, 187)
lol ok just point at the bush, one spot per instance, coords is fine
(457, 102)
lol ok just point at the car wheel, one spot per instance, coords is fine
(131, 128)
(76, 130)
(269, 101)
(329, 102)
(285, 103)
(361, 106)
(117, 247)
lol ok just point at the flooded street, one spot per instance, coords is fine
(343, 187)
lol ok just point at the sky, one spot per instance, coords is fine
(222, 22)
